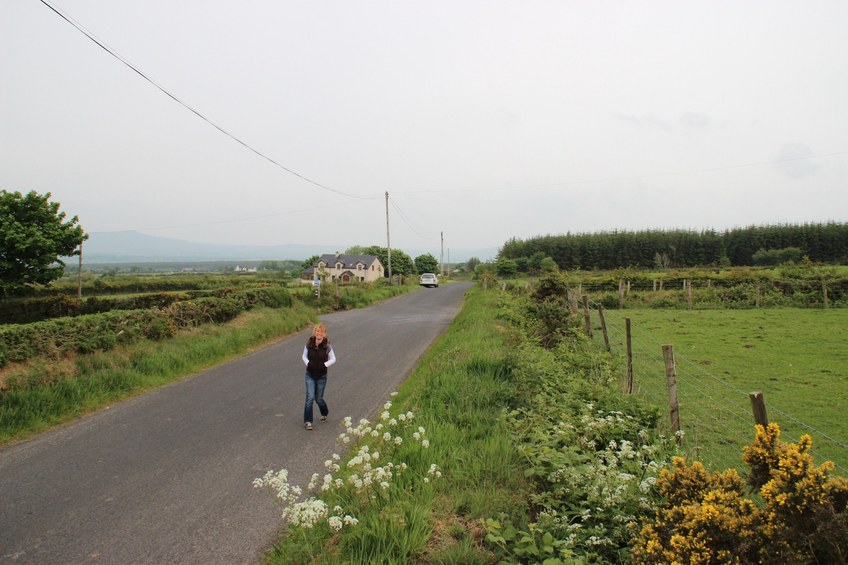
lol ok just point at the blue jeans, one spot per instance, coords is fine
(314, 393)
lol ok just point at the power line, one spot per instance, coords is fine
(406, 220)
(165, 91)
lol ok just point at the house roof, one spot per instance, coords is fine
(348, 261)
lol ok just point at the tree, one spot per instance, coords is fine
(402, 263)
(34, 236)
(309, 262)
(471, 264)
(548, 265)
(426, 263)
(506, 267)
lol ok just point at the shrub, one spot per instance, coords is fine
(550, 309)
(705, 518)
(592, 455)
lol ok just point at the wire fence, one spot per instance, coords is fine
(716, 417)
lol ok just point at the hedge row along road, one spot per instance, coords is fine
(167, 477)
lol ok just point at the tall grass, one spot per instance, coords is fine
(45, 392)
(457, 395)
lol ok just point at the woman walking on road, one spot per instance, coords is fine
(317, 356)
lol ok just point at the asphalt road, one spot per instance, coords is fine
(167, 477)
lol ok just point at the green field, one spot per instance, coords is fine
(797, 357)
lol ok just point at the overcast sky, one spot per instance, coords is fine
(483, 120)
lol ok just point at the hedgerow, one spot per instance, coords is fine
(591, 453)
(101, 332)
(37, 309)
(609, 488)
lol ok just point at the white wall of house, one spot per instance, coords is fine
(331, 271)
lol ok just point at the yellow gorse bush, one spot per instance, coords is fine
(706, 517)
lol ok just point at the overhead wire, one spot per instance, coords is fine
(322, 186)
(406, 220)
(185, 105)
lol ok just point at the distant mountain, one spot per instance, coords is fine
(135, 247)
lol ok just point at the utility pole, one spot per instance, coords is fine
(388, 240)
(442, 256)
(79, 274)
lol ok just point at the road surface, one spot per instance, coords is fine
(166, 477)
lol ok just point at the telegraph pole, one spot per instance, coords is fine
(442, 255)
(388, 240)
(79, 274)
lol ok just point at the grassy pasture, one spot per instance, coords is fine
(797, 357)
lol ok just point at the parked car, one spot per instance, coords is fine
(429, 280)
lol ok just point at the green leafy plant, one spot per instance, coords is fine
(706, 517)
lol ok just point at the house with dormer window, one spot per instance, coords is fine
(344, 269)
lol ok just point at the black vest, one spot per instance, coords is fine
(317, 355)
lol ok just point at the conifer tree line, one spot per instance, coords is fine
(822, 242)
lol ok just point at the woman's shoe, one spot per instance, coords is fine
(308, 425)
(323, 418)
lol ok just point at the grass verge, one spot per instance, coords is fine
(445, 461)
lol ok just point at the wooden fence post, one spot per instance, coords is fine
(603, 326)
(758, 405)
(671, 378)
(587, 319)
(758, 299)
(824, 294)
(689, 291)
(572, 301)
(629, 355)
(621, 293)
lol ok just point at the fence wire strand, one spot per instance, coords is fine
(716, 419)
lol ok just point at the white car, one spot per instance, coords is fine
(429, 280)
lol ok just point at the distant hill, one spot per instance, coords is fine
(135, 247)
